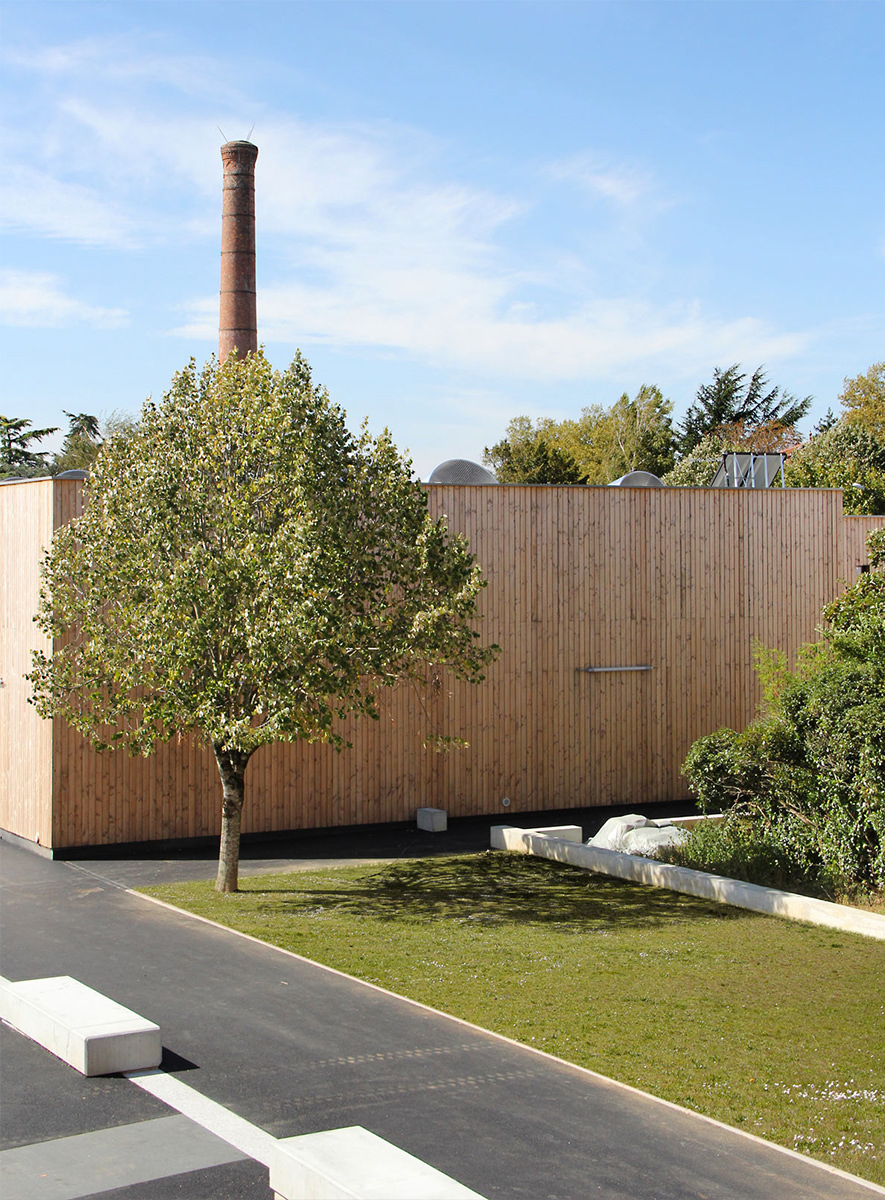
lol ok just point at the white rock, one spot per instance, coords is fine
(650, 839)
(612, 834)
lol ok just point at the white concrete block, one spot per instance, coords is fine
(435, 820)
(511, 837)
(566, 833)
(355, 1164)
(89, 1031)
(498, 837)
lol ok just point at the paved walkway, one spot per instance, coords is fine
(282, 1047)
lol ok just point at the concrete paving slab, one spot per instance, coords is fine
(633, 865)
(88, 1163)
(42, 1098)
(244, 1180)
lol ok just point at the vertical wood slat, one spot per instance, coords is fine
(683, 579)
(26, 759)
(855, 553)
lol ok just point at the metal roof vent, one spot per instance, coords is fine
(638, 479)
(461, 470)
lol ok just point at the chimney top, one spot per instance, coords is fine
(239, 152)
(237, 324)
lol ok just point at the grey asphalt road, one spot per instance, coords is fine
(294, 1048)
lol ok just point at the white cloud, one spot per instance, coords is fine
(466, 331)
(36, 298)
(454, 322)
(365, 238)
(368, 250)
(125, 61)
(623, 184)
(35, 200)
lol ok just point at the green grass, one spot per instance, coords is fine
(771, 1026)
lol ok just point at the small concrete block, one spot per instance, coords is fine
(83, 1028)
(354, 1164)
(434, 820)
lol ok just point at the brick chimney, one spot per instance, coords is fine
(237, 320)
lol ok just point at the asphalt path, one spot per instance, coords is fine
(294, 1048)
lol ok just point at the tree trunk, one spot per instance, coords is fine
(232, 769)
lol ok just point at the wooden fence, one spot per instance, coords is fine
(677, 582)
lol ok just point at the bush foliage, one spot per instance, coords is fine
(810, 772)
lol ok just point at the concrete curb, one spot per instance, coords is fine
(563, 843)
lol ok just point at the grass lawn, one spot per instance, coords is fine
(774, 1027)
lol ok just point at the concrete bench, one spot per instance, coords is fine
(85, 1029)
(354, 1164)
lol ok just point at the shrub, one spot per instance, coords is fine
(810, 772)
(740, 848)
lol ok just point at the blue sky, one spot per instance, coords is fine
(466, 211)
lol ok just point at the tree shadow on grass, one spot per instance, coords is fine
(490, 889)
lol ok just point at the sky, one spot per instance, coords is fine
(466, 211)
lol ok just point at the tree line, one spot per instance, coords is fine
(735, 411)
(21, 458)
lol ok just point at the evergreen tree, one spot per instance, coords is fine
(17, 459)
(733, 399)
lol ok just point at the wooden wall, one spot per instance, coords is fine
(855, 542)
(679, 580)
(26, 524)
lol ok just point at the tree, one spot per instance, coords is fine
(863, 399)
(588, 440)
(17, 459)
(827, 421)
(642, 434)
(247, 571)
(697, 468)
(527, 456)
(83, 425)
(81, 445)
(848, 455)
(596, 448)
(732, 399)
(700, 465)
(86, 436)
